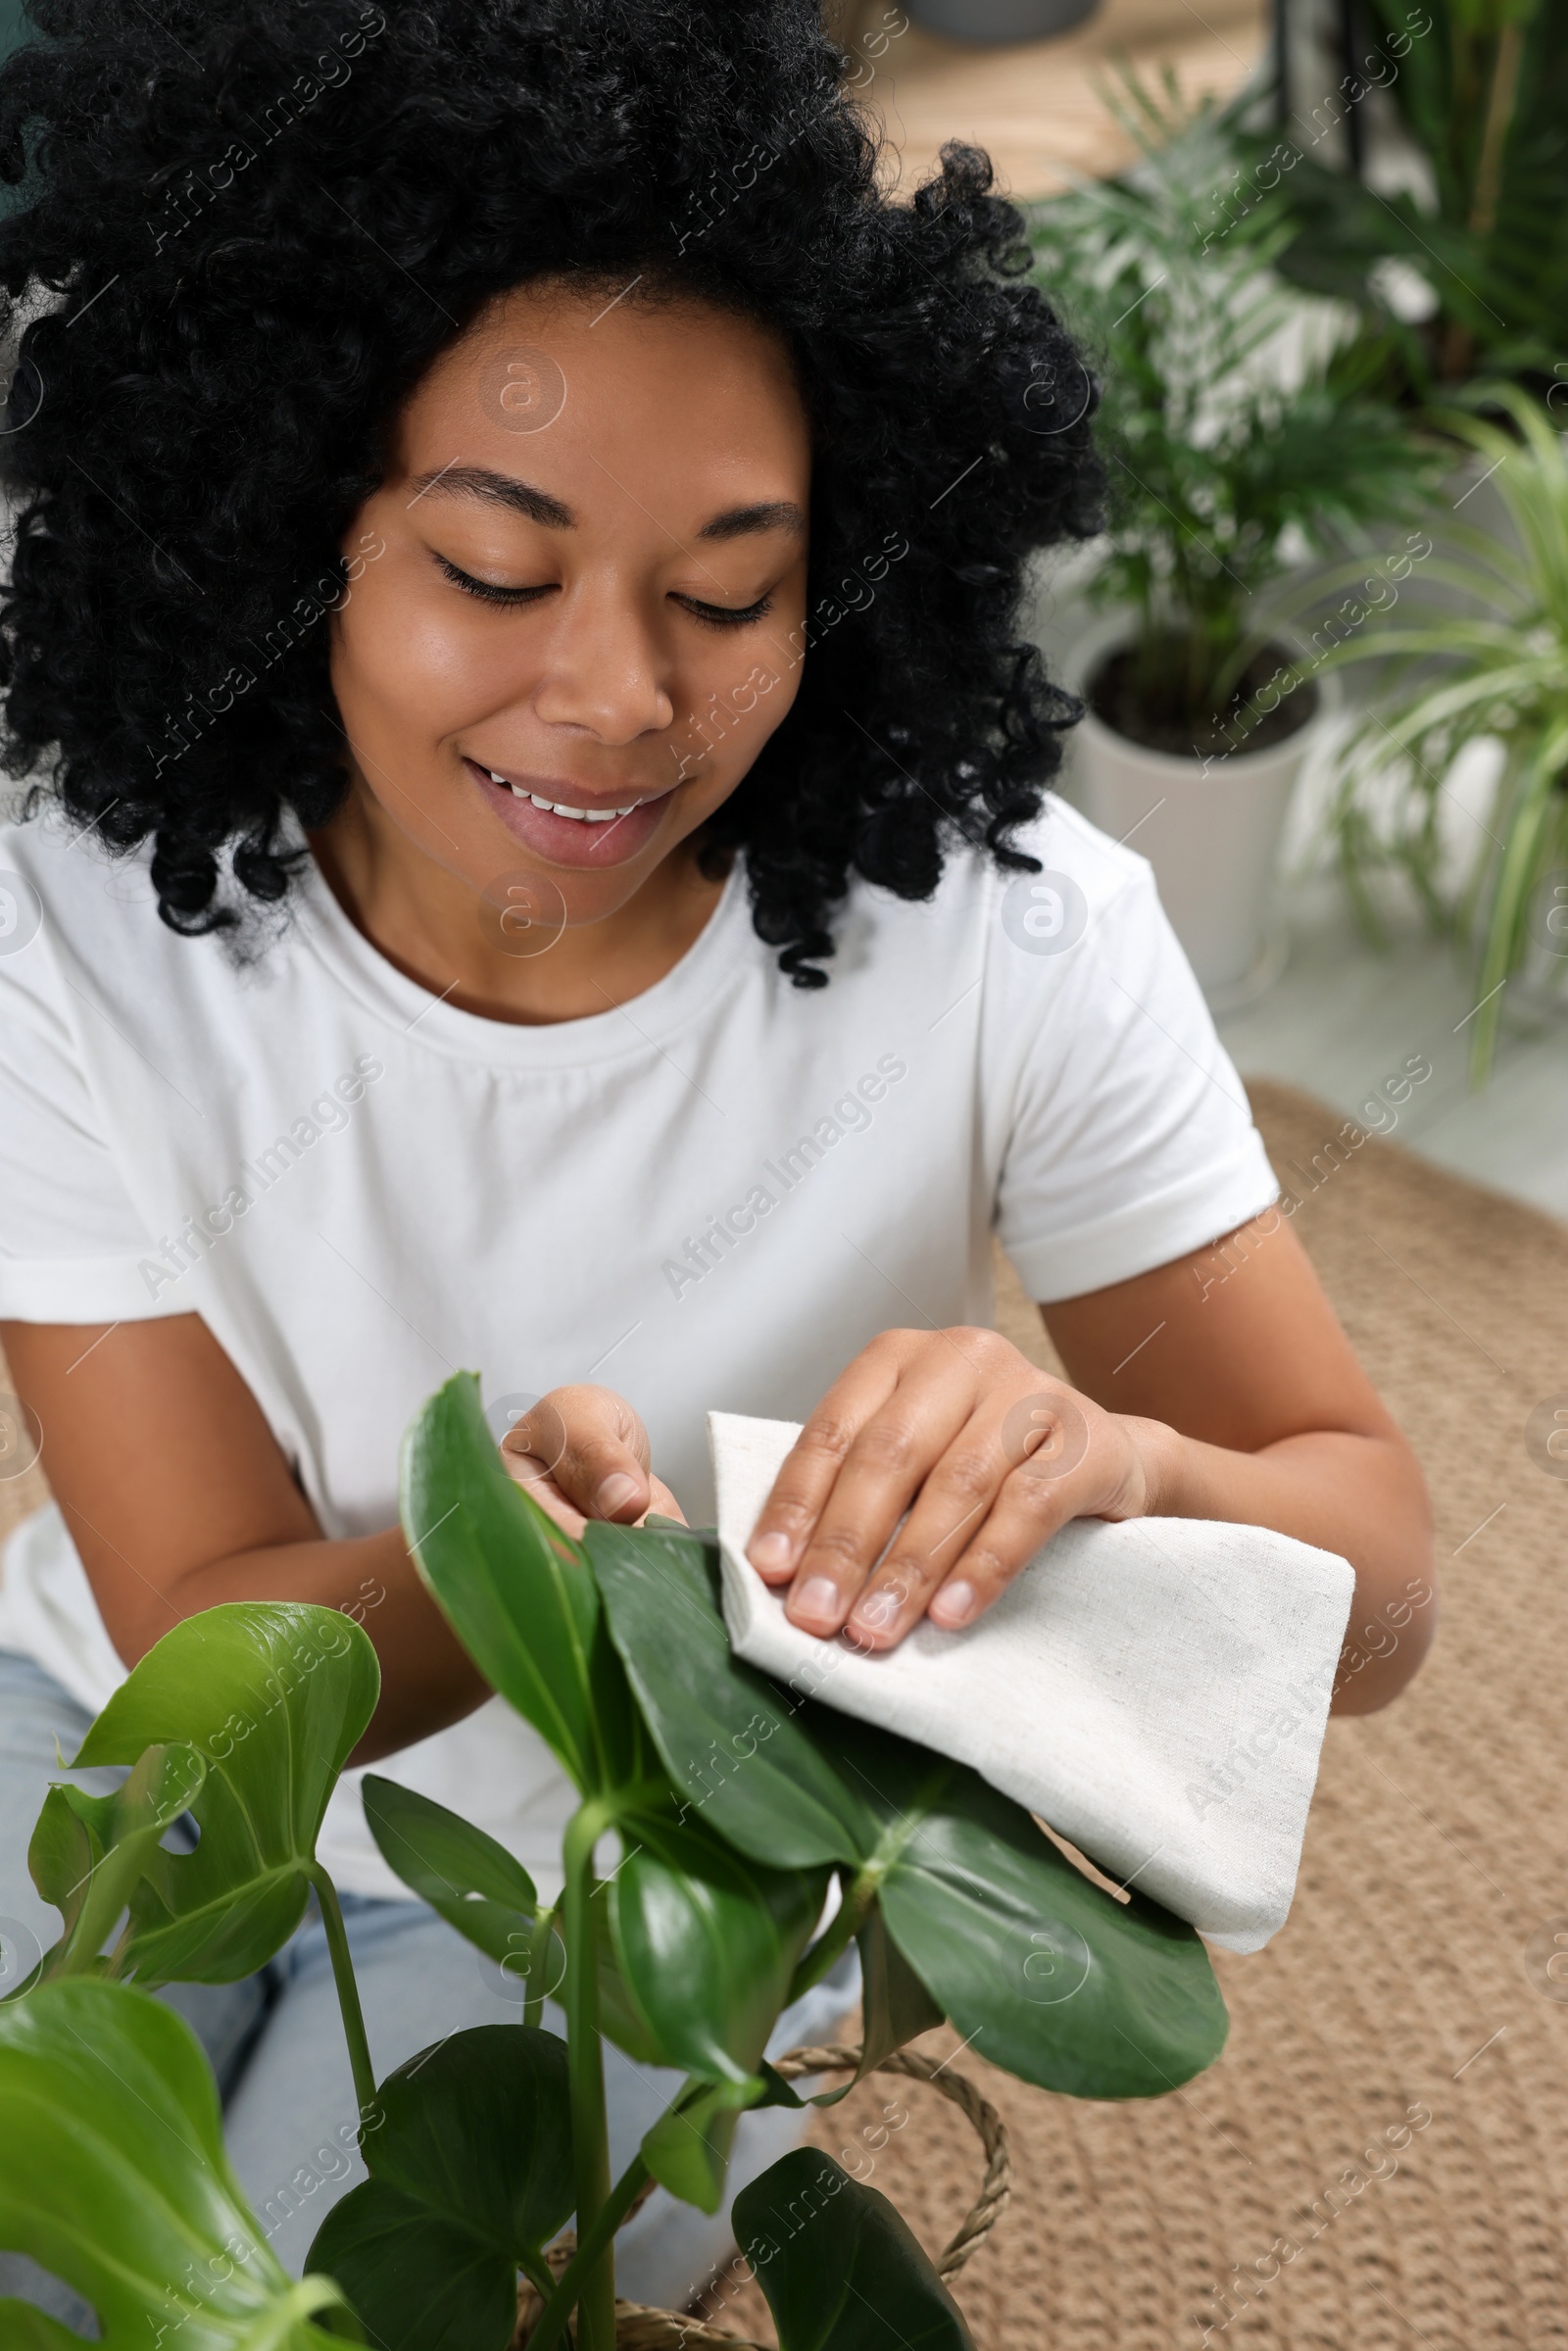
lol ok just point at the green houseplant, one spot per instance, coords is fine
(1241, 438)
(1494, 668)
(1481, 89)
(737, 1805)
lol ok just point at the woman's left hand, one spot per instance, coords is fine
(987, 1455)
(583, 1453)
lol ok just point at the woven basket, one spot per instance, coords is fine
(641, 2328)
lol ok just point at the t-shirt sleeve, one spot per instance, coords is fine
(1129, 1141)
(72, 1245)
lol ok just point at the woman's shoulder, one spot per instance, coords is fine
(80, 924)
(55, 874)
(63, 910)
(1078, 877)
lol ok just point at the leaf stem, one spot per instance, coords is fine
(845, 1925)
(553, 2318)
(538, 1958)
(585, 2065)
(1501, 102)
(282, 2322)
(347, 1990)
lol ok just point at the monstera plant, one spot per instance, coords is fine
(737, 1806)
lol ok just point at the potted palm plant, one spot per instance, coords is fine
(1489, 667)
(1478, 89)
(1242, 437)
(737, 1806)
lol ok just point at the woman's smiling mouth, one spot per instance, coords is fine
(560, 824)
(560, 808)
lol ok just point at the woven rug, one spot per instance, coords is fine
(1265, 2202)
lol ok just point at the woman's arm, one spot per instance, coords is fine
(178, 1497)
(1193, 1397)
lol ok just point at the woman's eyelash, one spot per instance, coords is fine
(718, 616)
(486, 589)
(711, 616)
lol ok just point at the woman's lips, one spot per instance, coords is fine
(578, 841)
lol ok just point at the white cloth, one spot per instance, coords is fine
(1156, 1689)
(719, 1192)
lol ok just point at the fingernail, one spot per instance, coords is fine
(769, 1554)
(873, 1614)
(818, 1598)
(618, 1490)
(954, 1604)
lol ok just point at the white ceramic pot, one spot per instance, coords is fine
(1212, 838)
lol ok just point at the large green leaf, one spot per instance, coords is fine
(474, 1882)
(471, 2177)
(87, 1852)
(113, 2177)
(485, 1894)
(1048, 1975)
(275, 1695)
(418, 2281)
(731, 1739)
(515, 1591)
(986, 1913)
(706, 1941)
(841, 2271)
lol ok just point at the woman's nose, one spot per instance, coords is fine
(605, 670)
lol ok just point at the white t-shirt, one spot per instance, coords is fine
(710, 1196)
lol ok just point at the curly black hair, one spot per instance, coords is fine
(242, 231)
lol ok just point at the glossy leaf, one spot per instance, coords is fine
(482, 1891)
(987, 1914)
(475, 1885)
(515, 1591)
(732, 1741)
(841, 2271)
(88, 1853)
(418, 2281)
(688, 2148)
(706, 1942)
(896, 2006)
(1050, 1977)
(273, 1695)
(115, 2179)
(470, 2175)
(68, 1840)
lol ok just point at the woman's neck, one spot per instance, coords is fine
(504, 954)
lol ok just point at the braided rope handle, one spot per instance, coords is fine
(996, 2186)
(641, 2328)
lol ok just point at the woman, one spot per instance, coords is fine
(538, 857)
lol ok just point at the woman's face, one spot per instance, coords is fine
(576, 591)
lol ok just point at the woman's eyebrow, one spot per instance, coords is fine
(738, 521)
(495, 489)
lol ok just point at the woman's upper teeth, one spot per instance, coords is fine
(558, 808)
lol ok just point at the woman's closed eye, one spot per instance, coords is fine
(711, 616)
(491, 591)
(724, 616)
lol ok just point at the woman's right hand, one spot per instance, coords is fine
(583, 1453)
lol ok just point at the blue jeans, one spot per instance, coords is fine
(276, 2038)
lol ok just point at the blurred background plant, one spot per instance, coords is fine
(1475, 125)
(1492, 669)
(1241, 422)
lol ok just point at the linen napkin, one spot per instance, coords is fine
(1156, 1690)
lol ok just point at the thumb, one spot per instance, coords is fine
(588, 1443)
